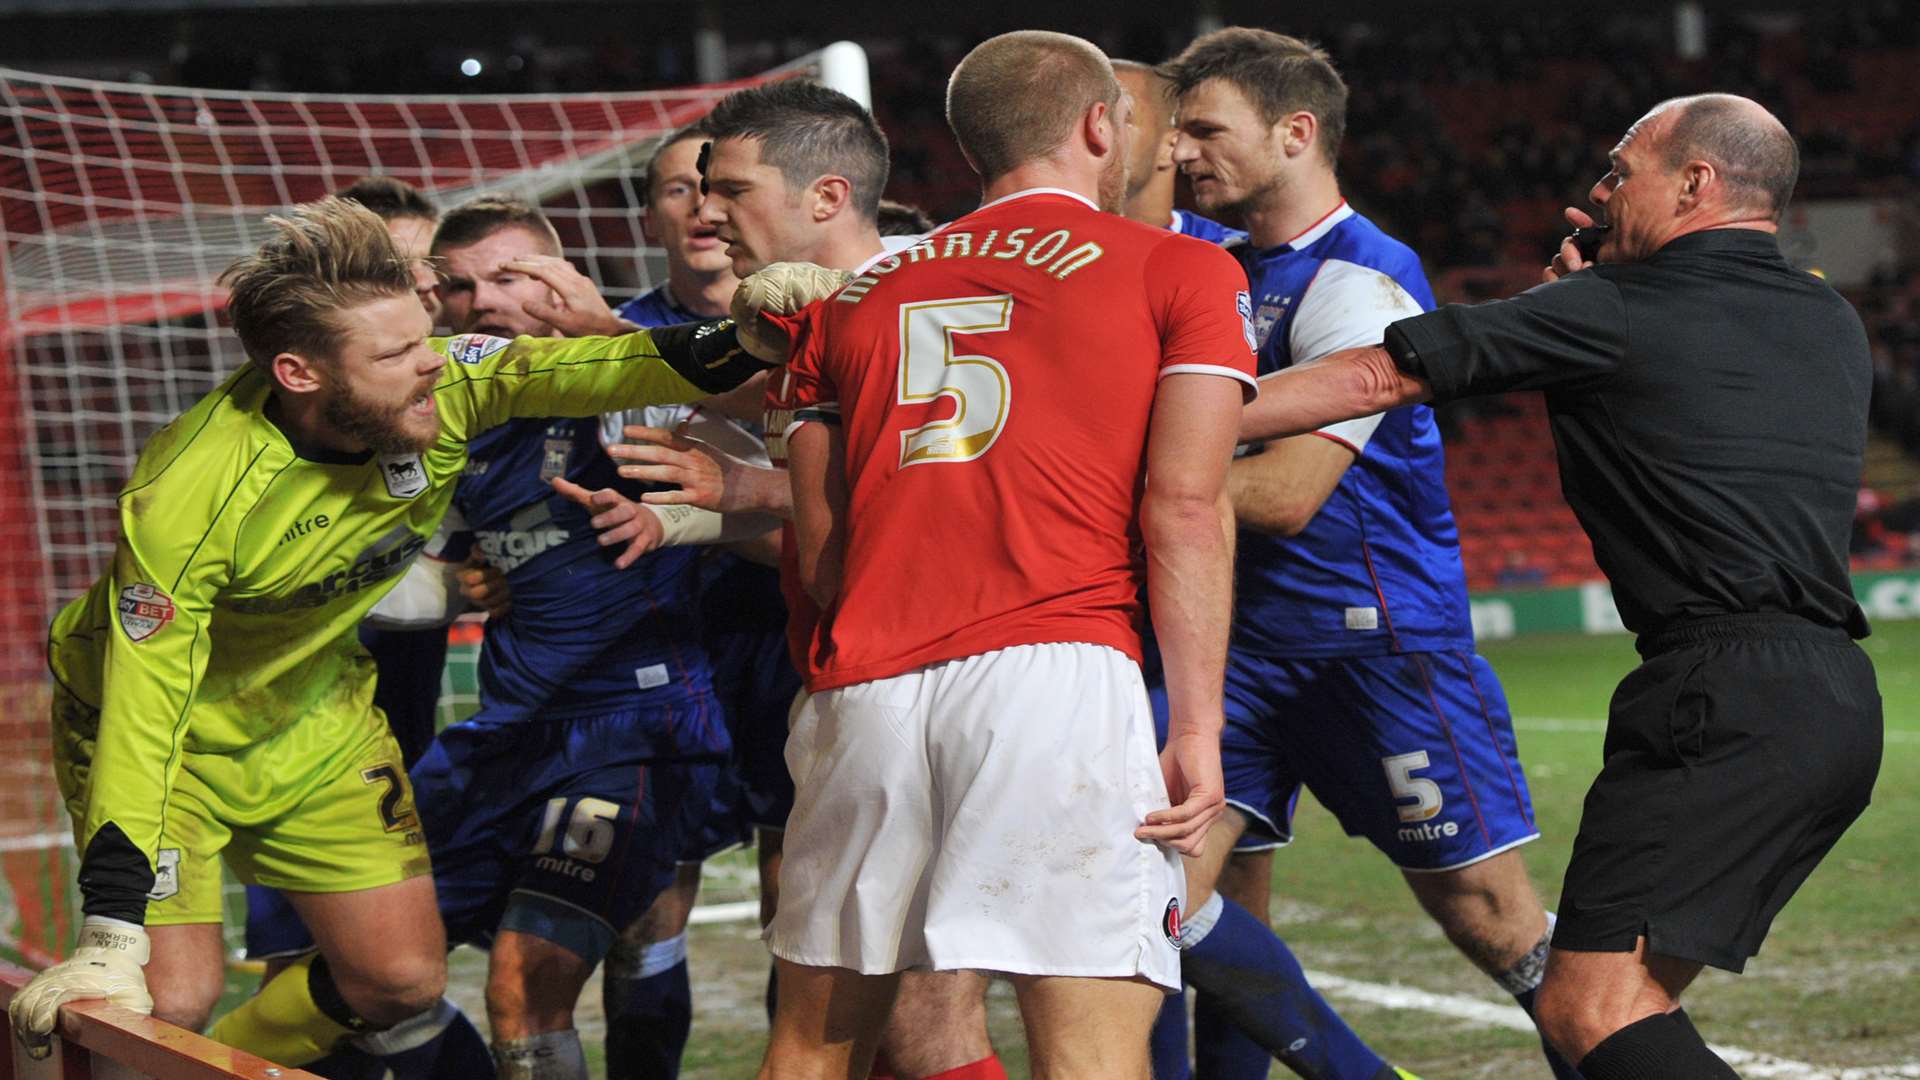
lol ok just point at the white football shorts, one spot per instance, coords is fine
(979, 814)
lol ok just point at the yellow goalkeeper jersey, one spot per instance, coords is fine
(244, 567)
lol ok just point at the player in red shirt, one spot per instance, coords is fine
(794, 172)
(1005, 411)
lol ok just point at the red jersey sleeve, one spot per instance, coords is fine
(805, 388)
(1205, 313)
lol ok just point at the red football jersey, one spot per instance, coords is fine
(995, 382)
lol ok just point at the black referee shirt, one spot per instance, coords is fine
(1709, 409)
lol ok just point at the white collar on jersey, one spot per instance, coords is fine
(1322, 227)
(887, 249)
(1091, 205)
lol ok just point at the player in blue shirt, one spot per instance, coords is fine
(1222, 1049)
(619, 770)
(1150, 168)
(645, 987)
(743, 617)
(1352, 668)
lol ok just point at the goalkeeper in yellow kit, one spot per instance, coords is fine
(211, 699)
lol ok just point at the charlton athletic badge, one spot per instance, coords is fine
(1170, 922)
(143, 610)
(404, 474)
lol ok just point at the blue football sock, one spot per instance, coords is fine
(1168, 1043)
(649, 1002)
(1522, 980)
(439, 1044)
(1561, 1070)
(1227, 954)
(1221, 1051)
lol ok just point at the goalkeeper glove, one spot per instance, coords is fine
(780, 289)
(105, 964)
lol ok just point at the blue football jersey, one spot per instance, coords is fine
(655, 307)
(1187, 223)
(582, 638)
(737, 595)
(1378, 569)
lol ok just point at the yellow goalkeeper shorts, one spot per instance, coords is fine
(322, 807)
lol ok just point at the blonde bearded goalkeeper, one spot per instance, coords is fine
(211, 701)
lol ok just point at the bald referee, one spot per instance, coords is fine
(1709, 408)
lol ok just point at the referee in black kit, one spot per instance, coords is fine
(1709, 409)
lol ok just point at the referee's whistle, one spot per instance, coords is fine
(1587, 238)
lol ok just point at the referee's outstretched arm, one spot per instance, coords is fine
(1338, 386)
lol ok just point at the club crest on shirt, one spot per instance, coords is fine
(553, 462)
(144, 610)
(1243, 303)
(1272, 309)
(1170, 922)
(473, 348)
(166, 874)
(404, 474)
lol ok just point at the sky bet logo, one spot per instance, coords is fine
(143, 609)
(473, 348)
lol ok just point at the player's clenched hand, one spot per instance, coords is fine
(485, 587)
(1191, 765)
(618, 519)
(1567, 259)
(780, 289)
(106, 964)
(578, 310)
(702, 470)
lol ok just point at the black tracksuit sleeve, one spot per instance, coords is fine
(1568, 334)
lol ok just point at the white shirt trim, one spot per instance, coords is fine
(1250, 386)
(880, 256)
(1322, 227)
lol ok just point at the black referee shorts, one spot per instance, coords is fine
(1736, 754)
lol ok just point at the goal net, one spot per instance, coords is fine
(119, 207)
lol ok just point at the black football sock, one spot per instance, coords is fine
(1657, 1048)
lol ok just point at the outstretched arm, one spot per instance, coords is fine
(1339, 386)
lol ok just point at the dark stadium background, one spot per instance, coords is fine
(1471, 124)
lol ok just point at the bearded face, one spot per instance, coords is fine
(386, 425)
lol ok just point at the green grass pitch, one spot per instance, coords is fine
(1837, 986)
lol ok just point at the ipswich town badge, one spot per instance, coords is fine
(144, 610)
(404, 474)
